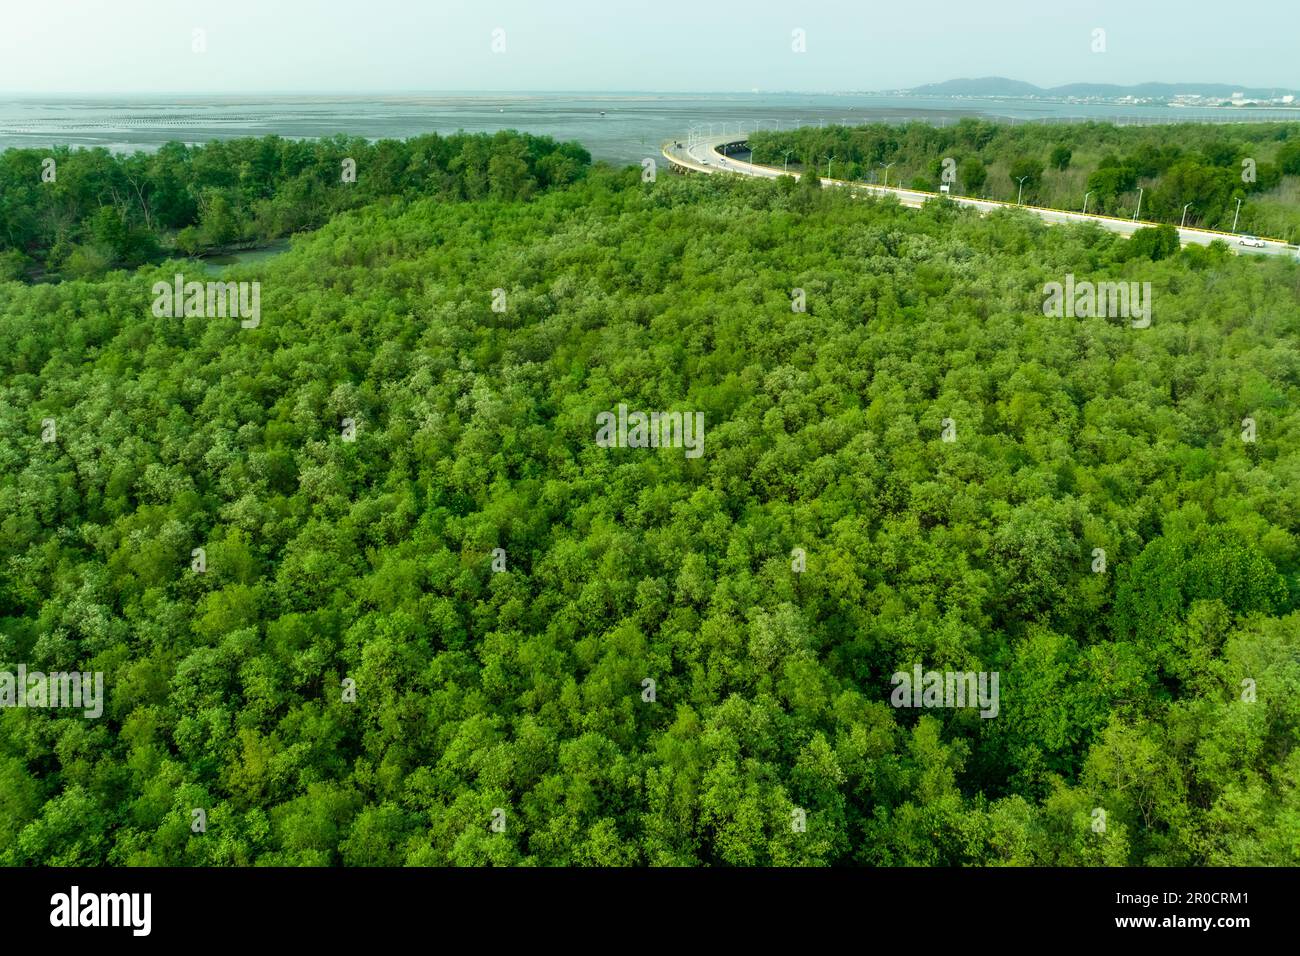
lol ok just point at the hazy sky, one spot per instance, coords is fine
(667, 45)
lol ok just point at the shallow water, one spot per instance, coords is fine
(615, 127)
(216, 265)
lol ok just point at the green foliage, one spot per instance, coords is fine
(1109, 182)
(1154, 242)
(518, 696)
(972, 174)
(1288, 158)
(1026, 171)
(106, 211)
(1172, 164)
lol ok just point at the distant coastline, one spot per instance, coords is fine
(616, 127)
(1179, 95)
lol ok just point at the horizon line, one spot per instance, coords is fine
(496, 91)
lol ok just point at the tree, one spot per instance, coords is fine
(1154, 242)
(1288, 158)
(972, 174)
(467, 633)
(1028, 169)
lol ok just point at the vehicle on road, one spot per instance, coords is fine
(1253, 241)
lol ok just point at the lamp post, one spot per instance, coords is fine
(786, 165)
(1085, 201)
(1021, 191)
(1139, 208)
(1235, 215)
(1184, 220)
(829, 160)
(886, 168)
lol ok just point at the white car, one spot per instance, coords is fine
(1253, 241)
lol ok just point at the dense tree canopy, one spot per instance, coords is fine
(498, 588)
(1209, 166)
(81, 212)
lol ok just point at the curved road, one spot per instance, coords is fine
(703, 157)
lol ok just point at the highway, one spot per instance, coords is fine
(703, 156)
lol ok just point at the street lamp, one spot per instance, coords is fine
(829, 160)
(1184, 222)
(886, 168)
(1235, 215)
(1021, 191)
(786, 165)
(1139, 208)
(1085, 201)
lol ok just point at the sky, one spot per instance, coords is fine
(368, 46)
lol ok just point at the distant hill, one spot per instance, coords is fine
(1001, 86)
(984, 86)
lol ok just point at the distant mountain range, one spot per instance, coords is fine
(1001, 86)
